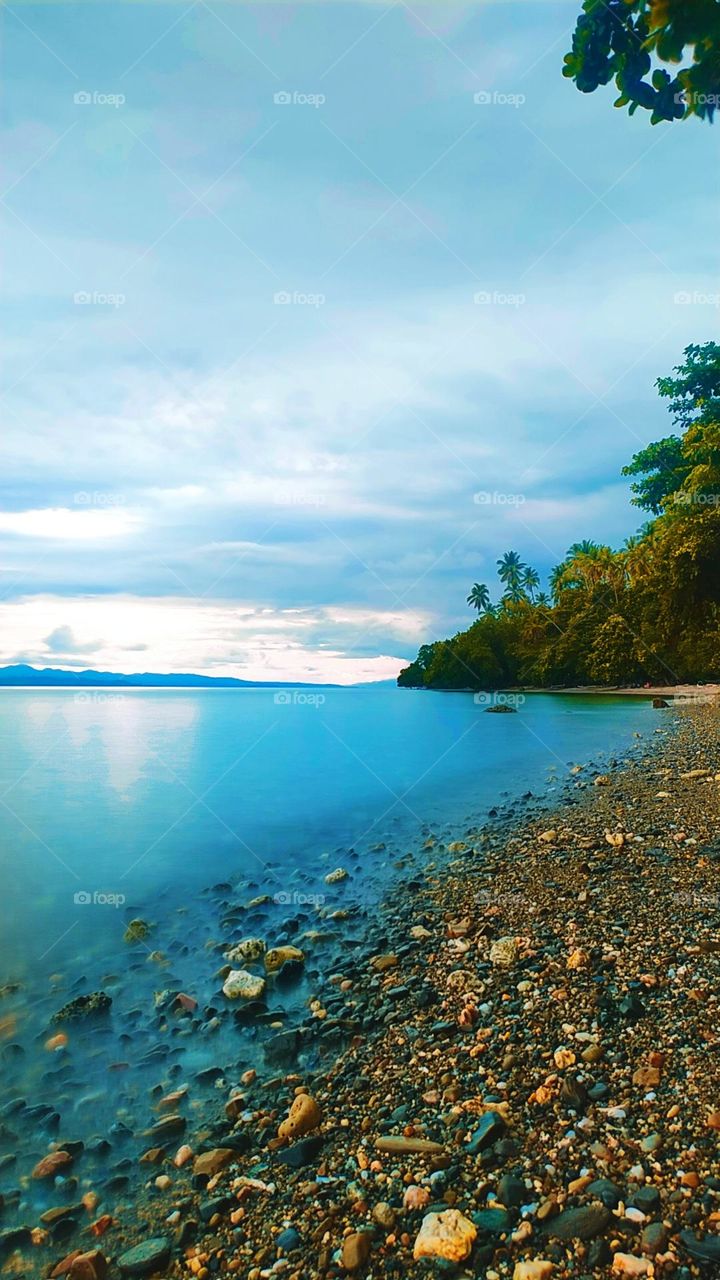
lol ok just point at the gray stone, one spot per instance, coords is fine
(579, 1224)
(143, 1259)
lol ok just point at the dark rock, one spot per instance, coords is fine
(490, 1129)
(647, 1199)
(15, 1238)
(654, 1238)
(606, 1192)
(92, 1006)
(511, 1191)
(707, 1250)
(573, 1095)
(288, 1240)
(301, 1153)
(143, 1259)
(579, 1224)
(492, 1222)
(282, 1050)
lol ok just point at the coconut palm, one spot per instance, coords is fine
(531, 581)
(510, 569)
(479, 597)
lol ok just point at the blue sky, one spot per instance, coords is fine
(286, 288)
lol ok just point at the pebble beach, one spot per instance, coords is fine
(516, 1077)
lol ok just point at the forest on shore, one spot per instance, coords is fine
(647, 612)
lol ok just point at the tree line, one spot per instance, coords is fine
(647, 612)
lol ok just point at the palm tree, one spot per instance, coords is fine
(479, 597)
(510, 569)
(531, 581)
(543, 600)
(585, 548)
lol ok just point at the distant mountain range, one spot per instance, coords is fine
(55, 678)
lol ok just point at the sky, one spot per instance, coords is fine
(311, 311)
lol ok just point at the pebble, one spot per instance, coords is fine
(448, 1235)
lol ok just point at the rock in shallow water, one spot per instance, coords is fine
(241, 985)
(97, 1003)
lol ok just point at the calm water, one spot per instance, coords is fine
(145, 793)
(184, 807)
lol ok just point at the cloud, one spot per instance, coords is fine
(61, 524)
(62, 640)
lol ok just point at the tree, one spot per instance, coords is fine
(510, 570)
(479, 597)
(624, 40)
(530, 582)
(678, 465)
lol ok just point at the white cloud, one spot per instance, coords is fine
(61, 524)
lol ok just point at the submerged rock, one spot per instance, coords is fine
(280, 957)
(92, 1006)
(137, 931)
(247, 951)
(241, 985)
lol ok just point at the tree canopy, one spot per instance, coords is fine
(628, 40)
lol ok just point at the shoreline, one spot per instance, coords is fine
(531, 1035)
(691, 692)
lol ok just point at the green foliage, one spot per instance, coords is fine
(624, 40)
(649, 612)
